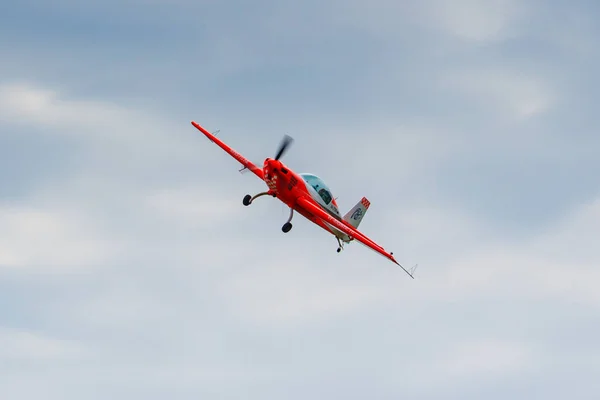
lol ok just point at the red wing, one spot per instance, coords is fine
(318, 212)
(246, 163)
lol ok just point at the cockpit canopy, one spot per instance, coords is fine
(319, 186)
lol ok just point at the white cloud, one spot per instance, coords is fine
(128, 130)
(52, 240)
(288, 291)
(557, 264)
(194, 205)
(119, 305)
(470, 21)
(475, 21)
(27, 103)
(481, 359)
(379, 153)
(27, 346)
(520, 94)
(574, 235)
(446, 363)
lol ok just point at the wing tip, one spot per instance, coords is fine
(201, 129)
(410, 273)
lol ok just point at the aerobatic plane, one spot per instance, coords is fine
(308, 195)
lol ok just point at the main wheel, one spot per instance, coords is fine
(286, 227)
(247, 200)
(339, 249)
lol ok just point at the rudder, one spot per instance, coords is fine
(356, 213)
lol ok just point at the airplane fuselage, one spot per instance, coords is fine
(288, 186)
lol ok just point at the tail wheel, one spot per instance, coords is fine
(247, 200)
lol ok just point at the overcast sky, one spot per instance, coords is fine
(129, 268)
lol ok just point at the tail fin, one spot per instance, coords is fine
(356, 213)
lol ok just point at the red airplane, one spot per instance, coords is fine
(308, 195)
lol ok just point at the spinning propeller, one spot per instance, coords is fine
(285, 144)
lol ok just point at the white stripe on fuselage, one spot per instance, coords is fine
(337, 232)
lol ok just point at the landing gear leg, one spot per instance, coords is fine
(341, 246)
(288, 225)
(249, 199)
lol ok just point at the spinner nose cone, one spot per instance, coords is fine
(271, 163)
